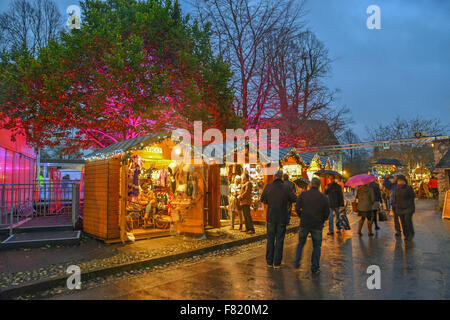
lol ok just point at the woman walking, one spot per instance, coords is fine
(235, 190)
(245, 200)
(365, 199)
(376, 204)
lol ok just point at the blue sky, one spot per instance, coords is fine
(402, 69)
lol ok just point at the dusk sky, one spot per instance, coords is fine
(402, 69)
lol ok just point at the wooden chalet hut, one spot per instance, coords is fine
(133, 190)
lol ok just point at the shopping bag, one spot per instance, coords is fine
(382, 216)
(354, 206)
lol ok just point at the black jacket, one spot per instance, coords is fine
(277, 195)
(335, 195)
(376, 190)
(313, 209)
(404, 199)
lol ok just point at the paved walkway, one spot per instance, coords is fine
(419, 270)
(24, 265)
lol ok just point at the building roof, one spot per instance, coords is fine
(124, 145)
(309, 156)
(62, 161)
(444, 163)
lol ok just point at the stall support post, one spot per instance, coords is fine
(75, 203)
(12, 211)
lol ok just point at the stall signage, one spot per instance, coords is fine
(153, 149)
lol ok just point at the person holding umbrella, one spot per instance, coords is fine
(365, 199)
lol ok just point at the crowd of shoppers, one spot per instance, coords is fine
(314, 208)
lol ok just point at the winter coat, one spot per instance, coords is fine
(376, 190)
(278, 195)
(335, 195)
(366, 198)
(404, 199)
(235, 190)
(391, 187)
(245, 197)
(293, 189)
(313, 209)
(433, 183)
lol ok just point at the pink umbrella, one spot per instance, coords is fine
(360, 180)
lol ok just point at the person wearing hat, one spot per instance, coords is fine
(277, 195)
(390, 183)
(313, 208)
(404, 206)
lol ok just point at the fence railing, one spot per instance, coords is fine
(19, 202)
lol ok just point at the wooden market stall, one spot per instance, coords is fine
(233, 166)
(134, 190)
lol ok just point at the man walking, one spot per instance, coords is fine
(277, 195)
(404, 206)
(336, 200)
(313, 209)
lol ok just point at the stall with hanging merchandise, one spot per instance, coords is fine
(133, 190)
(236, 168)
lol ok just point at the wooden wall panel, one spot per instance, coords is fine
(214, 196)
(113, 198)
(96, 198)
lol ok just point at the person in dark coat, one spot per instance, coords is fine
(313, 209)
(377, 202)
(390, 183)
(336, 199)
(277, 195)
(404, 206)
(292, 188)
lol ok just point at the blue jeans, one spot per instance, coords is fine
(387, 204)
(316, 236)
(331, 218)
(275, 243)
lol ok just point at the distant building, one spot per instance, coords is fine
(17, 159)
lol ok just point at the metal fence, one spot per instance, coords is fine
(19, 202)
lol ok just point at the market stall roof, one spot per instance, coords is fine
(390, 161)
(309, 156)
(125, 145)
(444, 163)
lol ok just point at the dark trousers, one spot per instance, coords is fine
(407, 225)
(374, 217)
(248, 218)
(387, 204)
(333, 212)
(275, 243)
(316, 236)
(398, 229)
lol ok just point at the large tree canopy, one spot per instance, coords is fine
(133, 67)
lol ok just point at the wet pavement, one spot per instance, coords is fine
(417, 270)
